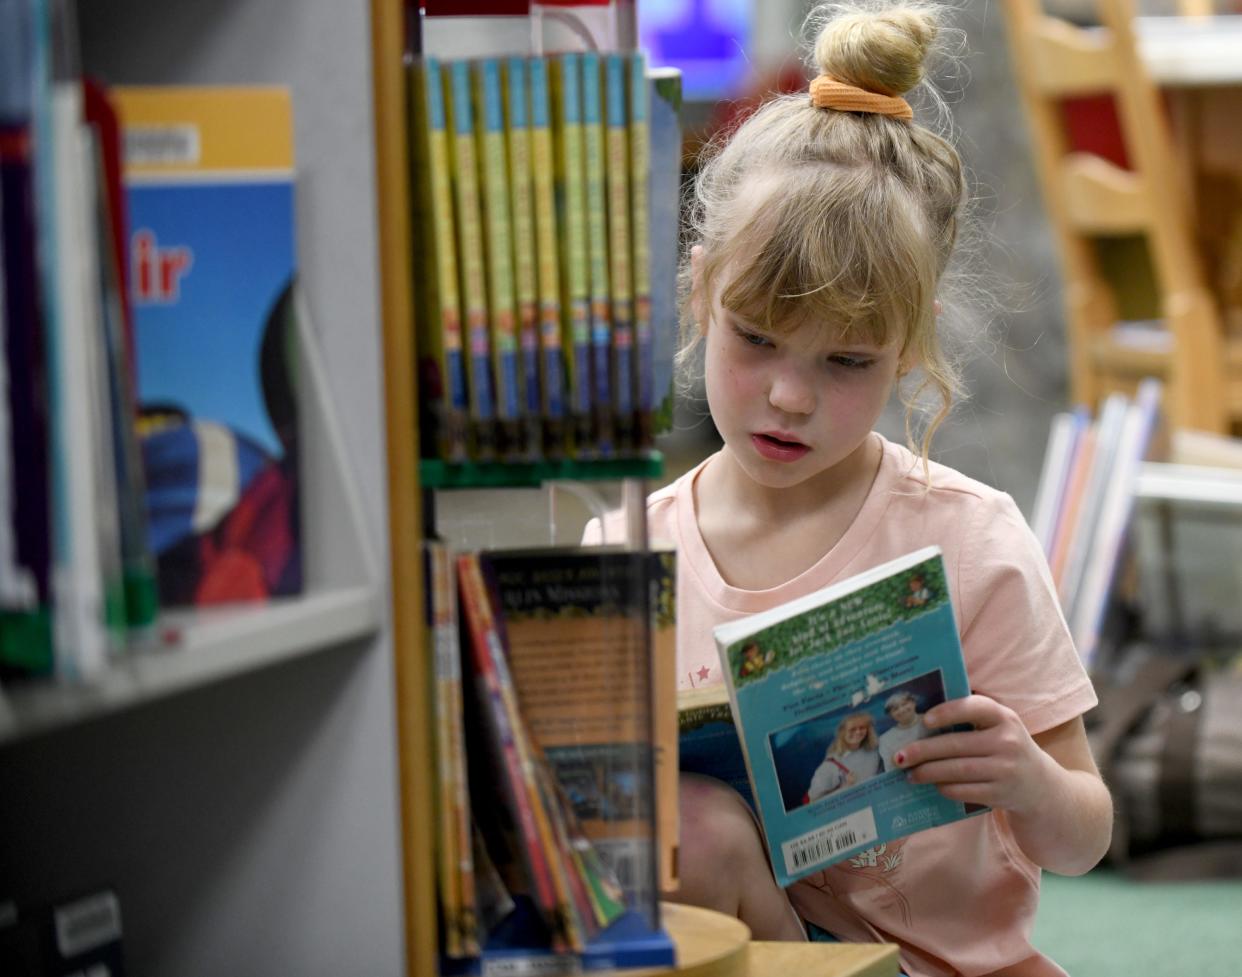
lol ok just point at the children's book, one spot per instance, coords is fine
(489, 121)
(455, 872)
(811, 686)
(620, 263)
(566, 77)
(576, 625)
(663, 209)
(516, 87)
(472, 277)
(212, 261)
(639, 104)
(25, 604)
(444, 404)
(548, 257)
(598, 277)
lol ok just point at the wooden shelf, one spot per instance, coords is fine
(195, 648)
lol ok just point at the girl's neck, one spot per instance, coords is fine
(760, 537)
(726, 484)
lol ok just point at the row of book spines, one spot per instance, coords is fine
(568, 882)
(531, 181)
(79, 528)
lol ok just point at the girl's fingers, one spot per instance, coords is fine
(977, 710)
(960, 770)
(939, 747)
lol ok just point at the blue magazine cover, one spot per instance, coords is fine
(212, 260)
(824, 690)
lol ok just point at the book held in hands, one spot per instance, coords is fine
(824, 691)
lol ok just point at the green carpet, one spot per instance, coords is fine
(1104, 925)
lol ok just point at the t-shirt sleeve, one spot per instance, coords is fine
(1017, 647)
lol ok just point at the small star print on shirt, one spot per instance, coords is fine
(704, 672)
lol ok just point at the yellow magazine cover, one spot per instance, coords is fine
(514, 79)
(443, 400)
(617, 170)
(471, 278)
(571, 225)
(547, 256)
(597, 252)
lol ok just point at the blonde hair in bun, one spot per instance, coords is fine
(845, 218)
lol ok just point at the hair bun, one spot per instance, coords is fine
(880, 49)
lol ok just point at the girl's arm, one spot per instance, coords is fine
(1048, 786)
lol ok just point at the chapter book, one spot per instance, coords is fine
(526, 294)
(463, 160)
(455, 872)
(443, 402)
(548, 256)
(617, 164)
(641, 176)
(570, 184)
(498, 252)
(209, 186)
(817, 688)
(598, 272)
(576, 624)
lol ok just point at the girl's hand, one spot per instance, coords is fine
(997, 763)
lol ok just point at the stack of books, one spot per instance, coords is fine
(1085, 499)
(533, 228)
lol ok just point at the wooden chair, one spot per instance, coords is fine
(1089, 198)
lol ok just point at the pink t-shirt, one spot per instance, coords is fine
(961, 898)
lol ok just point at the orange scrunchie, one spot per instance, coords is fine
(828, 93)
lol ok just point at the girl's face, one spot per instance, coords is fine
(855, 732)
(793, 406)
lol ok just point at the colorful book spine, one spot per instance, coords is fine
(489, 124)
(552, 371)
(571, 226)
(25, 607)
(518, 140)
(471, 277)
(640, 228)
(597, 251)
(664, 207)
(445, 401)
(454, 849)
(617, 169)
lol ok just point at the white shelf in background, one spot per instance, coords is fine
(197, 648)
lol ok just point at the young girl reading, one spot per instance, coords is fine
(824, 226)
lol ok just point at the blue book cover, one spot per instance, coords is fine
(821, 688)
(209, 188)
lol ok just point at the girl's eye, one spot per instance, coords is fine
(751, 338)
(850, 362)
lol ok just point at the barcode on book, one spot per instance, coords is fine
(162, 145)
(828, 840)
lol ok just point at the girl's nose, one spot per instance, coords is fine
(792, 392)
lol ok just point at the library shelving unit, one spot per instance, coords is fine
(237, 787)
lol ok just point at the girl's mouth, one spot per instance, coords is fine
(775, 448)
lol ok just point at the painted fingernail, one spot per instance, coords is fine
(900, 758)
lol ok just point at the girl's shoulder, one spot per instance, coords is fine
(938, 487)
